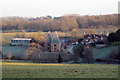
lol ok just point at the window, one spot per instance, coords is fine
(16, 41)
(25, 41)
(20, 41)
(54, 45)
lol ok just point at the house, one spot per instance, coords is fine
(93, 39)
(52, 44)
(87, 41)
(20, 41)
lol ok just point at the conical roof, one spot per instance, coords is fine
(49, 37)
(55, 38)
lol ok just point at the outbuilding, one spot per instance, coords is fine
(20, 41)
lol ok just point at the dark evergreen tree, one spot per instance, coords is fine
(59, 59)
(118, 35)
(112, 37)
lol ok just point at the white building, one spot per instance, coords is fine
(21, 41)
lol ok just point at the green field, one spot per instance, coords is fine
(104, 52)
(17, 51)
(36, 70)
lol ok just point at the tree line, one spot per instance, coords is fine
(62, 23)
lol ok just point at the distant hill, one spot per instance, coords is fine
(62, 23)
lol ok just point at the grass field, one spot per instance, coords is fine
(17, 51)
(36, 70)
(103, 52)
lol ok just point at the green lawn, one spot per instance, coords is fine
(33, 70)
(17, 51)
(103, 52)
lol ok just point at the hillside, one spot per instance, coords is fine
(62, 23)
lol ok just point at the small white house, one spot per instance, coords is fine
(21, 41)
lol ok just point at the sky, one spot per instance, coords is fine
(56, 8)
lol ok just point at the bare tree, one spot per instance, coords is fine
(33, 53)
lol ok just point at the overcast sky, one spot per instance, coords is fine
(37, 8)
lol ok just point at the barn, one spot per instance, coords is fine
(20, 41)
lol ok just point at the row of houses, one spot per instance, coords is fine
(95, 40)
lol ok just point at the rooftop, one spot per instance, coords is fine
(48, 38)
(21, 39)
